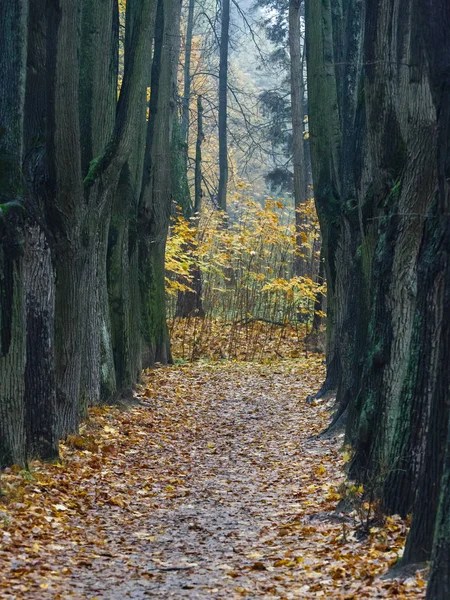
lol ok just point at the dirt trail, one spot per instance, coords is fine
(211, 488)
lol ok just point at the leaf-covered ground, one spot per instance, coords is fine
(211, 487)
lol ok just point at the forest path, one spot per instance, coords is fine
(211, 488)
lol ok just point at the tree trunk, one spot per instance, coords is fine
(40, 392)
(65, 206)
(431, 392)
(187, 78)
(124, 306)
(109, 138)
(400, 129)
(13, 48)
(223, 108)
(98, 100)
(123, 250)
(186, 300)
(430, 513)
(189, 302)
(298, 154)
(325, 144)
(40, 383)
(198, 159)
(155, 201)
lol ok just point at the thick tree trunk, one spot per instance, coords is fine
(109, 138)
(40, 392)
(155, 201)
(432, 392)
(98, 372)
(13, 48)
(122, 280)
(409, 441)
(431, 513)
(400, 125)
(437, 36)
(325, 144)
(65, 206)
(40, 382)
(123, 252)
(98, 94)
(223, 105)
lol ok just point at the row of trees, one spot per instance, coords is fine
(84, 208)
(109, 111)
(379, 113)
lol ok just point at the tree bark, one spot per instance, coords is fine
(430, 525)
(13, 48)
(40, 392)
(400, 124)
(65, 206)
(110, 129)
(98, 101)
(325, 144)
(223, 105)
(155, 202)
(436, 27)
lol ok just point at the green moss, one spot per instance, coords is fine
(98, 165)
(94, 168)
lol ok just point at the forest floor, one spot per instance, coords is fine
(212, 486)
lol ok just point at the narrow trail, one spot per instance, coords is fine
(210, 488)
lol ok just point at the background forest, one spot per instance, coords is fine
(233, 180)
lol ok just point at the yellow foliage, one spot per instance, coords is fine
(247, 261)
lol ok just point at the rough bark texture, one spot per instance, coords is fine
(325, 143)
(155, 201)
(433, 492)
(374, 189)
(13, 47)
(65, 203)
(40, 392)
(378, 205)
(123, 280)
(40, 383)
(436, 27)
(98, 93)
(123, 264)
(400, 124)
(110, 132)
